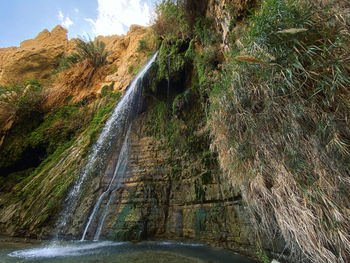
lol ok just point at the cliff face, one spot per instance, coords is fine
(39, 59)
(57, 133)
(156, 203)
(34, 58)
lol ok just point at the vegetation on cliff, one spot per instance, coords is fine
(278, 115)
(41, 157)
(93, 51)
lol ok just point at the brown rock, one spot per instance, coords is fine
(34, 59)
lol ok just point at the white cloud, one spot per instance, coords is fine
(116, 16)
(76, 10)
(64, 20)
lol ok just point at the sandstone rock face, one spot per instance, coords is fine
(35, 58)
(85, 83)
(125, 56)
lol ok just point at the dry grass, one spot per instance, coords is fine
(282, 132)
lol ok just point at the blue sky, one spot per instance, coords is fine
(24, 19)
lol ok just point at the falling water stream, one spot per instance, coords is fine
(114, 184)
(116, 127)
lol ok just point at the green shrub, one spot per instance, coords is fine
(173, 57)
(65, 62)
(92, 51)
(131, 69)
(113, 69)
(142, 45)
(171, 19)
(204, 30)
(107, 89)
(176, 18)
(22, 99)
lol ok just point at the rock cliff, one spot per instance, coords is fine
(34, 58)
(155, 203)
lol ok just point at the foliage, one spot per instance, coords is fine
(170, 20)
(131, 69)
(204, 30)
(176, 18)
(114, 69)
(262, 256)
(65, 62)
(142, 45)
(92, 51)
(42, 134)
(40, 191)
(172, 58)
(279, 121)
(177, 129)
(134, 71)
(206, 62)
(23, 99)
(107, 89)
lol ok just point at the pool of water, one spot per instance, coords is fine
(121, 252)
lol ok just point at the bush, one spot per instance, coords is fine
(92, 51)
(107, 89)
(131, 69)
(142, 45)
(22, 99)
(204, 30)
(176, 18)
(65, 62)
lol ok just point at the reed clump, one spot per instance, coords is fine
(281, 126)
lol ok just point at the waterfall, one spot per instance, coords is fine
(114, 184)
(115, 133)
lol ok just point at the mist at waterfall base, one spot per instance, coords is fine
(121, 252)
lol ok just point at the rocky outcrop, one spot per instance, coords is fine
(34, 58)
(127, 58)
(38, 58)
(84, 83)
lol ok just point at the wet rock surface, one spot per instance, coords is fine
(153, 204)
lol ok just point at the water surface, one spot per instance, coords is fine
(113, 252)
